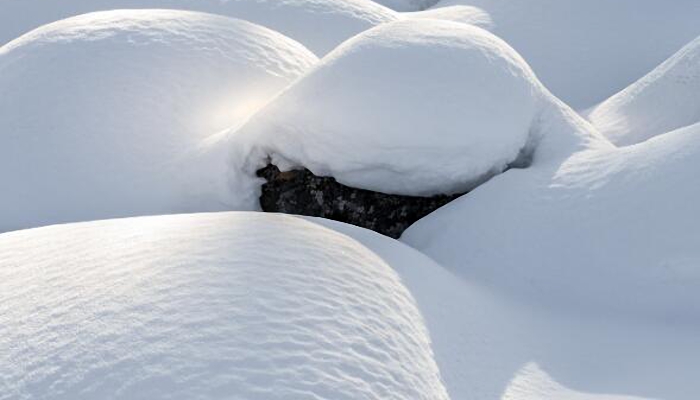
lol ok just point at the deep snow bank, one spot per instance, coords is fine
(667, 98)
(118, 113)
(609, 231)
(584, 51)
(319, 24)
(206, 306)
(414, 107)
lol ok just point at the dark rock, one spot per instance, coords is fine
(303, 193)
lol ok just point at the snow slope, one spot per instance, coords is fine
(412, 107)
(604, 231)
(463, 14)
(318, 24)
(584, 51)
(118, 113)
(665, 99)
(250, 305)
(490, 345)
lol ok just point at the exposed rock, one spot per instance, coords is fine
(303, 193)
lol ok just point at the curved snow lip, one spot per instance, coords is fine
(132, 105)
(337, 120)
(663, 100)
(203, 306)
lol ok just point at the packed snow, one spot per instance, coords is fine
(407, 5)
(124, 113)
(463, 14)
(318, 24)
(585, 51)
(412, 107)
(607, 230)
(665, 99)
(195, 306)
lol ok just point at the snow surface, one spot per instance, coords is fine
(606, 231)
(318, 24)
(585, 51)
(491, 345)
(120, 113)
(407, 5)
(249, 305)
(464, 14)
(665, 99)
(412, 107)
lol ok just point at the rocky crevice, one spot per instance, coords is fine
(303, 193)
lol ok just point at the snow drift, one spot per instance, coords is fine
(118, 113)
(407, 5)
(414, 107)
(585, 51)
(606, 231)
(319, 24)
(667, 98)
(206, 306)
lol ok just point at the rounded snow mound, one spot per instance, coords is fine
(610, 230)
(319, 24)
(118, 113)
(459, 13)
(206, 306)
(407, 5)
(585, 51)
(414, 107)
(665, 99)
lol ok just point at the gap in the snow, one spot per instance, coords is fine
(303, 193)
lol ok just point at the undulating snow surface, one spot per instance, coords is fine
(318, 24)
(464, 14)
(407, 5)
(610, 231)
(413, 107)
(121, 113)
(584, 51)
(667, 98)
(215, 306)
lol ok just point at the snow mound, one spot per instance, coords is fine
(118, 113)
(608, 231)
(319, 24)
(206, 306)
(665, 99)
(407, 5)
(412, 107)
(464, 14)
(585, 51)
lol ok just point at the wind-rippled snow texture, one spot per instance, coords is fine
(208, 306)
(119, 113)
(319, 24)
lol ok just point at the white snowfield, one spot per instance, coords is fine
(122, 113)
(413, 107)
(318, 24)
(585, 51)
(209, 306)
(667, 98)
(608, 231)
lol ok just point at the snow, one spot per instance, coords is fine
(318, 24)
(604, 231)
(120, 113)
(663, 100)
(412, 107)
(250, 305)
(464, 14)
(585, 51)
(407, 5)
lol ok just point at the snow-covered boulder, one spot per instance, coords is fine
(249, 305)
(407, 5)
(667, 98)
(318, 24)
(121, 113)
(606, 231)
(415, 107)
(585, 51)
